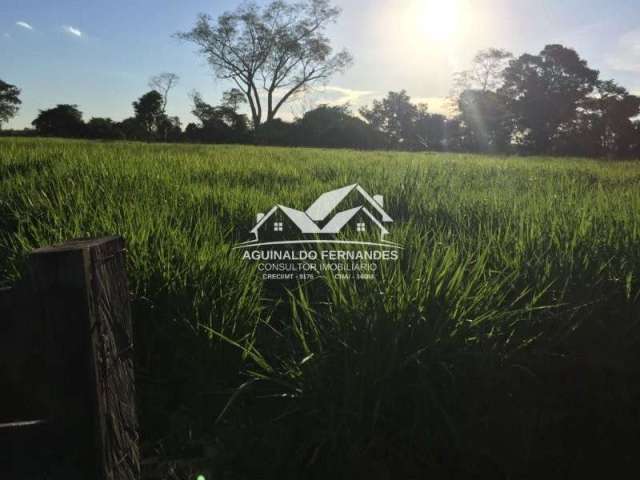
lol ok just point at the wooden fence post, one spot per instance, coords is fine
(81, 287)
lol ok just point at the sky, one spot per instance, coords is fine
(100, 54)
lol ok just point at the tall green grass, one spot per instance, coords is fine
(518, 276)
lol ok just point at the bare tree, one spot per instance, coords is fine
(273, 51)
(486, 75)
(163, 83)
(486, 72)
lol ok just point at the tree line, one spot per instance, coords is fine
(550, 103)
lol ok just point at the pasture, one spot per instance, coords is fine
(505, 339)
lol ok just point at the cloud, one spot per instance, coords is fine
(441, 105)
(333, 96)
(321, 95)
(24, 25)
(6, 35)
(340, 95)
(626, 56)
(72, 30)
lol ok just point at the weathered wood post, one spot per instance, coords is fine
(84, 310)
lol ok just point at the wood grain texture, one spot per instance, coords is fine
(81, 287)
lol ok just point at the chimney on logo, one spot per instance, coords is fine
(379, 200)
(259, 217)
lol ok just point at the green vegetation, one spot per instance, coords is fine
(504, 342)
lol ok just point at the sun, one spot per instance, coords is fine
(438, 20)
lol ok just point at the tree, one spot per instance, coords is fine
(635, 145)
(273, 51)
(192, 133)
(169, 128)
(202, 110)
(396, 117)
(163, 83)
(9, 101)
(233, 98)
(217, 123)
(614, 108)
(103, 128)
(149, 112)
(334, 126)
(453, 135)
(544, 92)
(132, 129)
(430, 129)
(275, 132)
(486, 121)
(486, 73)
(61, 121)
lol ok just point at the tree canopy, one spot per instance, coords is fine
(487, 121)
(544, 92)
(62, 121)
(270, 52)
(406, 125)
(9, 101)
(221, 123)
(486, 72)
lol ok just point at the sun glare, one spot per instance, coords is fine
(438, 20)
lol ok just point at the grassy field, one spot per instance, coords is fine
(504, 343)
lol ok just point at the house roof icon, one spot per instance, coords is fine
(315, 220)
(327, 202)
(340, 219)
(301, 219)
